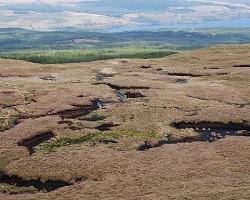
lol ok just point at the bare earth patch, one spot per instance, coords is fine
(171, 128)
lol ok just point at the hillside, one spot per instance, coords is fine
(83, 46)
(17, 41)
(168, 128)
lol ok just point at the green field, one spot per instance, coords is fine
(72, 56)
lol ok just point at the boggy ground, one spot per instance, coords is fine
(88, 130)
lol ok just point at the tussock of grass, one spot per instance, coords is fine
(8, 122)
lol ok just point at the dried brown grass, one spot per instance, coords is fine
(218, 170)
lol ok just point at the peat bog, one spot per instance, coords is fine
(143, 104)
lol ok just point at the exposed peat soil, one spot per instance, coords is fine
(35, 141)
(117, 87)
(212, 131)
(80, 111)
(129, 95)
(184, 74)
(106, 127)
(246, 66)
(208, 132)
(47, 186)
(93, 118)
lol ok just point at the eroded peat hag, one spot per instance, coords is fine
(47, 186)
(211, 131)
(101, 76)
(244, 66)
(182, 81)
(168, 140)
(48, 78)
(73, 113)
(135, 95)
(80, 111)
(94, 118)
(117, 87)
(1, 174)
(35, 141)
(146, 67)
(107, 141)
(186, 74)
(230, 125)
(150, 144)
(207, 132)
(77, 112)
(106, 127)
(129, 95)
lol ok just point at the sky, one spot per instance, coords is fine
(104, 14)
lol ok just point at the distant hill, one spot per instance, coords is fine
(79, 46)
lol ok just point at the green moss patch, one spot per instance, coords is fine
(119, 134)
(66, 141)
